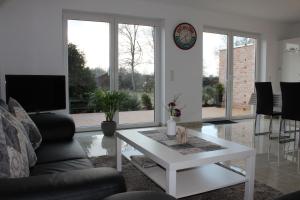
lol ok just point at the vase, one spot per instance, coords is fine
(171, 126)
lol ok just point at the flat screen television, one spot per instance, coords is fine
(37, 93)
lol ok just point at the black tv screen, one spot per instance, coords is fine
(37, 93)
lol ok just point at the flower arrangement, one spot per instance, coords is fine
(173, 110)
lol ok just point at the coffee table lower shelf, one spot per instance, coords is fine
(192, 181)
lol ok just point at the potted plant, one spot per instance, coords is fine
(110, 104)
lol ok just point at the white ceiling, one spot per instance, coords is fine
(286, 11)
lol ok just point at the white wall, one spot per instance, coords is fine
(32, 42)
(289, 62)
(292, 31)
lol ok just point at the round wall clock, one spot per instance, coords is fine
(185, 36)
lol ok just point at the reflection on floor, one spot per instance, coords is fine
(277, 165)
(217, 112)
(126, 117)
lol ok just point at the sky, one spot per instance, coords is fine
(211, 43)
(92, 38)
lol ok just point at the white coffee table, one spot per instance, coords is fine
(185, 175)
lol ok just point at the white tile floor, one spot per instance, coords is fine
(277, 165)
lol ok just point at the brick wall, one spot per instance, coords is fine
(243, 74)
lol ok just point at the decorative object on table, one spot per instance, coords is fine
(174, 111)
(171, 126)
(110, 104)
(185, 36)
(181, 135)
(193, 143)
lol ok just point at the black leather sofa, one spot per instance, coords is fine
(62, 171)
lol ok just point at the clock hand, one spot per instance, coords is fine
(186, 40)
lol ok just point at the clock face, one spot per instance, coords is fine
(185, 36)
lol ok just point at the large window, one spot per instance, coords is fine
(108, 53)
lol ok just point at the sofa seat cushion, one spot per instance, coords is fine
(86, 184)
(61, 166)
(60, 151)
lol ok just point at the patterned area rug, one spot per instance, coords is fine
(136, 180)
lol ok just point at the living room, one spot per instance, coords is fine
(35, 36)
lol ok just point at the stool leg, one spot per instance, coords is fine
(270, 127)
(280, 129)
(255, 124)
(284, 139)
(295, 134)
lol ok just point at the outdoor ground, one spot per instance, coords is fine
(129, 117)
(216, 112)
(133, 117)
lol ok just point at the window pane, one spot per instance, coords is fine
(136, 73)
(244, 62)
(88, 63)
(214, 75)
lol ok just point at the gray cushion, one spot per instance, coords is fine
(14, 147)
(31, 129)
(3, 104)
(32, 158)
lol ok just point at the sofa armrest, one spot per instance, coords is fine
(89, 184)
(54, 127)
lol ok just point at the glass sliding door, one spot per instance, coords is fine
(136, 73)
(244, 63)
(229, 74)
(112, 53)
(214, 84)
(88, 68)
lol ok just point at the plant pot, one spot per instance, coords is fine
(109, 128)
(219, 100)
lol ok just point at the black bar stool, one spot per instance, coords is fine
(290, 92)
(264, 105)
